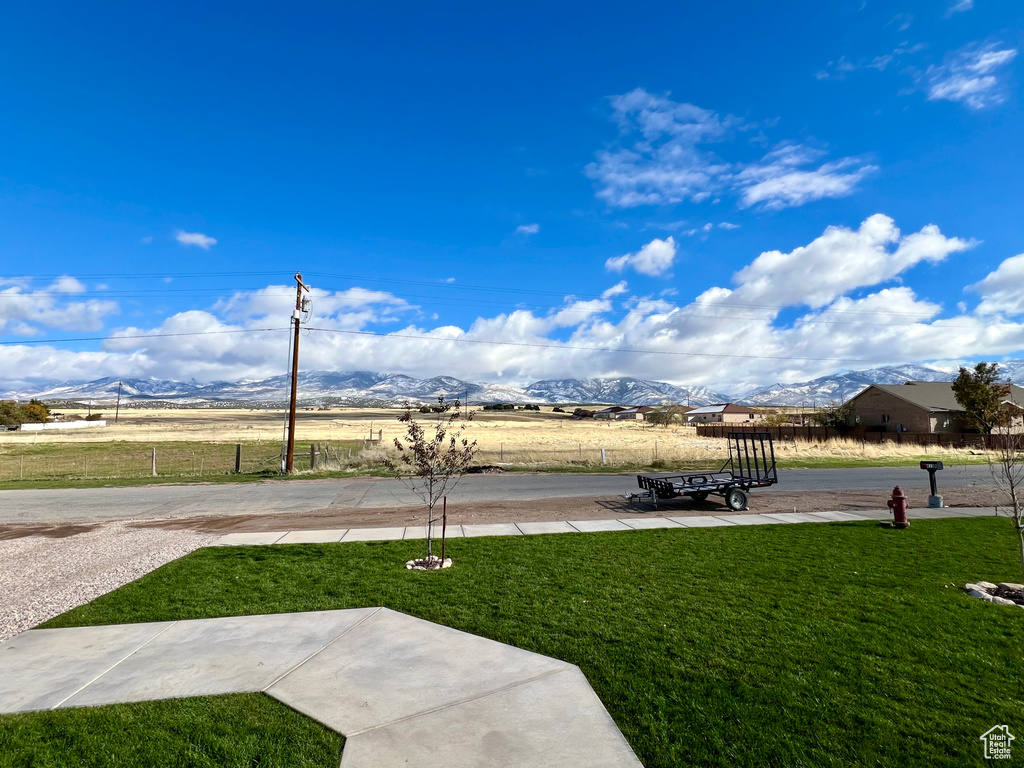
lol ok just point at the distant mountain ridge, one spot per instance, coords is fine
(366, 388)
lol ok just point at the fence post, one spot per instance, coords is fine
(603, 461)
(501, 451)
(238, 458)
(154, 461)
(312, 456)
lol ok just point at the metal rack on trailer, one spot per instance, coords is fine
(751, 464)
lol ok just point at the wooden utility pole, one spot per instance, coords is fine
(117, 411)
(289, 461)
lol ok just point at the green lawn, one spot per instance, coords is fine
(239, 731)
(784, 645)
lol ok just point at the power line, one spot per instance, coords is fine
(141, 336)
(580, 347)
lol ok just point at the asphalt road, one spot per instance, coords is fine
(83, 505)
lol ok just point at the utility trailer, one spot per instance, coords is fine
(751, 464)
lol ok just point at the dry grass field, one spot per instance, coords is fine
(200, 442)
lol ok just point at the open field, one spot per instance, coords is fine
(699, 642)
(199, 444)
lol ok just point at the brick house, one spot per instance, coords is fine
(722, 413)
(638, 413)
(610, 412)
(917, 406)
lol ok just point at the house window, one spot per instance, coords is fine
(885, 418)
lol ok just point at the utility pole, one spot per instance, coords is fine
(117, 410)
(289, 461)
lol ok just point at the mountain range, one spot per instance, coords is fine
(364, 388)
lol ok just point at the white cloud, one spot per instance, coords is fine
(727, 225)
(782, 179)
(146, 240)
(653, 259)
(664, 160)
(197, 239)
(1002, 291)
(855, 315)
(616, 290)
(959, 6)
(528, 229)
(840, 68)
(24, 310)
(972, 75)
(839, 261)
(353, 308)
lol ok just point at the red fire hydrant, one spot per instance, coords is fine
(898, 505)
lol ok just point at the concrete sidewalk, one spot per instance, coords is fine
(403, 691)
(584, 526)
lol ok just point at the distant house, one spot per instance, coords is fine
(722, 413)
(917, 406)
(638, 413)
(609, 413)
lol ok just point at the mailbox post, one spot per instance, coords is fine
(934, 500)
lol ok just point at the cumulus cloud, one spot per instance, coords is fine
(664, 158)
(197, 239)
(353, 308)
(973, 75)
(528, 229)
(1002, 291)
(653, 259)
(24, 311)
(616, 290)
(841, 260)
(846, 292)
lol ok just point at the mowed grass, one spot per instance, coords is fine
(239, 731)
(782, 645)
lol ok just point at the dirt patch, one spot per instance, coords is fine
(8, 532)
(545, 510)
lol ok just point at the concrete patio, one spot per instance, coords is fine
(403, 691)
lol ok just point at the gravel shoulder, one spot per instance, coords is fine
(48, 572)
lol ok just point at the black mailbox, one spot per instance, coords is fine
(932, 467)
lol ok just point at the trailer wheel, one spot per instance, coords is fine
(736, 500)
(700, 496)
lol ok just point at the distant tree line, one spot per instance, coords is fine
(510, 407)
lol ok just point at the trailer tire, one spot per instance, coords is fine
(700, 496)
(736, 500)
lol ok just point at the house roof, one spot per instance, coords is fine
(636, 409)
(720, 408)
(932, 396)
(612, 409)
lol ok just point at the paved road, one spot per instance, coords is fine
(96, 504)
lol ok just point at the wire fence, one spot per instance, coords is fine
(129, 460)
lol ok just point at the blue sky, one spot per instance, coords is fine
(720, 194)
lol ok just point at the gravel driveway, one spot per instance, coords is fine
(42, 576)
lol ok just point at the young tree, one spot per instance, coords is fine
(1008, 471)
(981, 395)
(839, 417)
(432, 461)
(664, 416)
